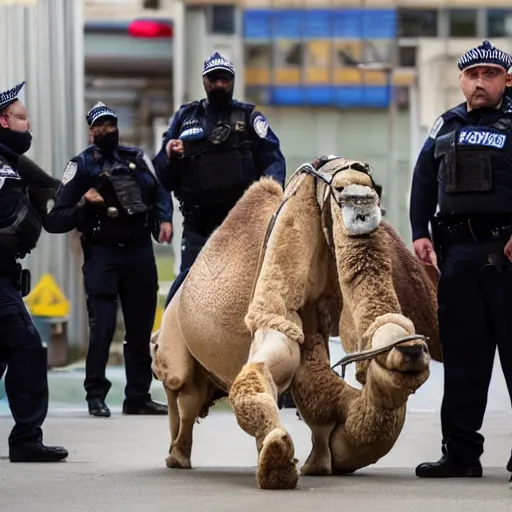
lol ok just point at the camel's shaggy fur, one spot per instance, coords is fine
(314, 278)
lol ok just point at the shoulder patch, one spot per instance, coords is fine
(260, 126)
(69, 172)
(436, 127)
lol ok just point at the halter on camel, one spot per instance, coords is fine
(324, 190)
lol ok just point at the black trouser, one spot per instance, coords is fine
(475, 317)
(192, 242)
(21, 350)
(131, 273)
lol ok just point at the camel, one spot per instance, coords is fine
(253, 317)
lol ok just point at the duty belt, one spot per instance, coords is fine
(474, 230)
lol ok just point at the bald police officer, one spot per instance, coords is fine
(112, 196)
(214, 149)
(465, 167)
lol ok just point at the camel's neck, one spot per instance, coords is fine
(380, 392)
(365, 277)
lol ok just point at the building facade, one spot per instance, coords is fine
(300, 62)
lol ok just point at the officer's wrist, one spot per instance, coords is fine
(82, 202)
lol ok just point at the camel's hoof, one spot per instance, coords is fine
(316, 468)
(277, 468)
(177, 460)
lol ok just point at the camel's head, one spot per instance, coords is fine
(355, 202)
(402, 369)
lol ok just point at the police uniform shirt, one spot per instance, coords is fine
(424, 193)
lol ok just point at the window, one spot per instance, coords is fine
(222, 19)
(407, 56)
(258, 63)
(151, 4)
(347, 53)
(319, 54)
(289, 54)
(401, 97)
(258, 55)
(462, 22)
(377, 51)
(499, 23)
(417, 22)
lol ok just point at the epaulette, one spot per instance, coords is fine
(127, 148)
(244, 104)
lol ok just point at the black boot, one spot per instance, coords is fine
(445, 468)
(509, 467)
(37, 452)
(98, 407)
(146, 406)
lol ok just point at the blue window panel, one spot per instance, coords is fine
(379, 24)
(317, 23)
(345, 97)
(287, 23)
(257, 24)
(349, 96)
(318, 95)
(360, 23)
(376, 95)
(357, 96)
(286, 96)
(348, 23)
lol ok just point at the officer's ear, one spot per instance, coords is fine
(508, 82)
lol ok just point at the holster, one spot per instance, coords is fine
(22, 280)
(437, 239)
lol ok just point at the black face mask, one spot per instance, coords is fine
(18, 142)
(107, 142)
(219, 97)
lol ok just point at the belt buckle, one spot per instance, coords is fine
(495, 232)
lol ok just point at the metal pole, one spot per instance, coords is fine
(393, 205)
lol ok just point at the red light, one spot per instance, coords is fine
(150, 29)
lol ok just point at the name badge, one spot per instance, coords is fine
(6, 171)
(193, 133)
(482, 138)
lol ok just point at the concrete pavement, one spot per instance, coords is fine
(118, 464)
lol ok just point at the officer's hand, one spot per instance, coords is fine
(93, 196)
(165, 233)
(424, 250)
(174, 146)
(508, 249)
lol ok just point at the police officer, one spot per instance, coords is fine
(21, 349)
(465, 167)
(212, 152)
(112, 196)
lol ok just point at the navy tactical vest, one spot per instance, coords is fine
(475, 175)
(218, 168)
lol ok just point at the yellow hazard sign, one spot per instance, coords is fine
(158, 318)
(47, 299)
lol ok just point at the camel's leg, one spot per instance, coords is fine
(322, 399)
(191, 399)
(272, 362)
(174, 414)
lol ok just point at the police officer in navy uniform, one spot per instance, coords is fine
(21, 348)
(214, 149)
(465, 168)
(111, 194)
